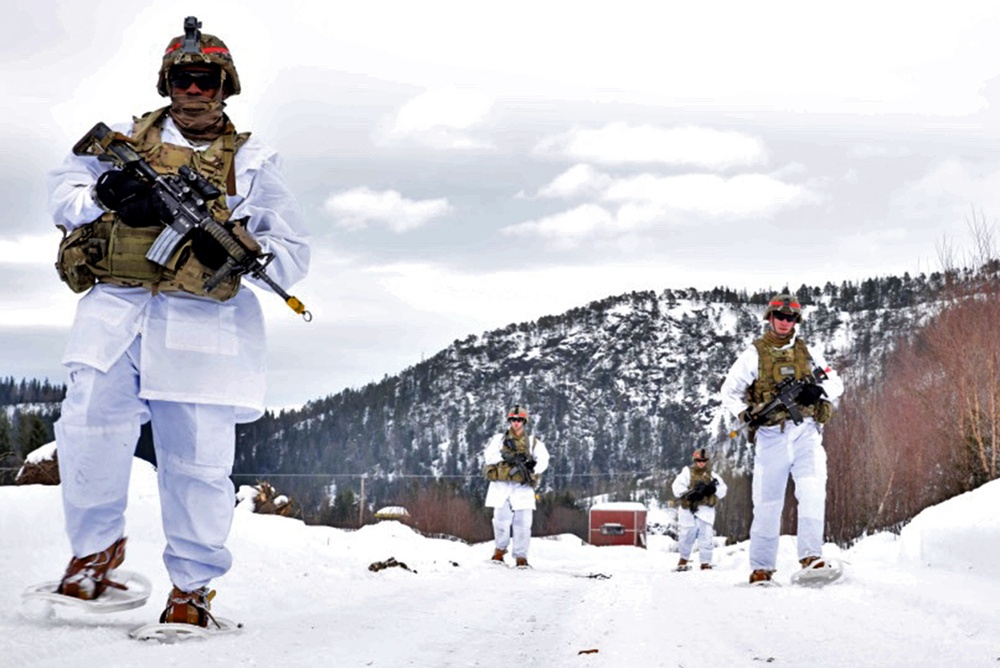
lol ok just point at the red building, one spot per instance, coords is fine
(618, 523)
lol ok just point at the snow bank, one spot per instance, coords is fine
(957, 534)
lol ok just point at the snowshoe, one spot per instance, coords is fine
(762, 578)
(172, 632)
(187, 615)
(132, 592)
(817, 572)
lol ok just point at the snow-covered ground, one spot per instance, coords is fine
(307, 598)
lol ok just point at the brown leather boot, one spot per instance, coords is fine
(812, 562)
(683, 565)
(706, 567)
(189, 607)
(522, 562)
(87, 577)
(761, 575)
(498, 555)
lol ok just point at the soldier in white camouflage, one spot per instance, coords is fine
(783, 447)
(150, 344)
(699, 489)
(513, 463)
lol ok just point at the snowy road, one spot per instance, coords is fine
(307, 598)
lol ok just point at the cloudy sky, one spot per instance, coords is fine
(465, 165)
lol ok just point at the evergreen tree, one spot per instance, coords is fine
(6, 442)
(31, 433)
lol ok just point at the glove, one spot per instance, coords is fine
(508, 455)
(208, 251)
(135, 201)
(810, 394)
(710, 489)
(530, 465)
(750, 416)
(115, 187)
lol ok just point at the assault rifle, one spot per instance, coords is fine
(519, 461)
(786, 394)
(521, 464)
(697, 494)
(185, 195)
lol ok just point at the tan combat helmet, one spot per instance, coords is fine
(518, 411)
(194, 47)
(784, 303)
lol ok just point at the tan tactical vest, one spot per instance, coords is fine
(775, 365)
(505, 471)
(108, 251)
(700, 475)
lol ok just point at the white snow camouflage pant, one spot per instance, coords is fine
(695, 528)
(505, 518)
(799, 451)
(195, 445)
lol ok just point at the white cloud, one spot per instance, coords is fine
(444, 118)
(949, 192)
(644, 201)
(358, 208)
(578, 180)
(621, 143)
(568, 228)
(740, 196)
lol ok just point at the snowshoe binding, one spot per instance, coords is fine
(92, 583)
(817, 572)
(87, 577)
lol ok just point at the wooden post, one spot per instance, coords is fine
(361, 506)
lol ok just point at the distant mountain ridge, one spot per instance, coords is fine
(623, 385)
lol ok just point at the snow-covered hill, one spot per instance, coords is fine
(307, 598)
(623, 389)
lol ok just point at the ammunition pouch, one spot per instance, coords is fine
(82, 256)
(507, 473)
(708, 501)
(824, 412)
(108, 251)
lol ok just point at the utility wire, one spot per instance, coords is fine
(463, 476)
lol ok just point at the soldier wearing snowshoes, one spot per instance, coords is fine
(513, 463)
(788, 437)
(699, 489)
(150, 343)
